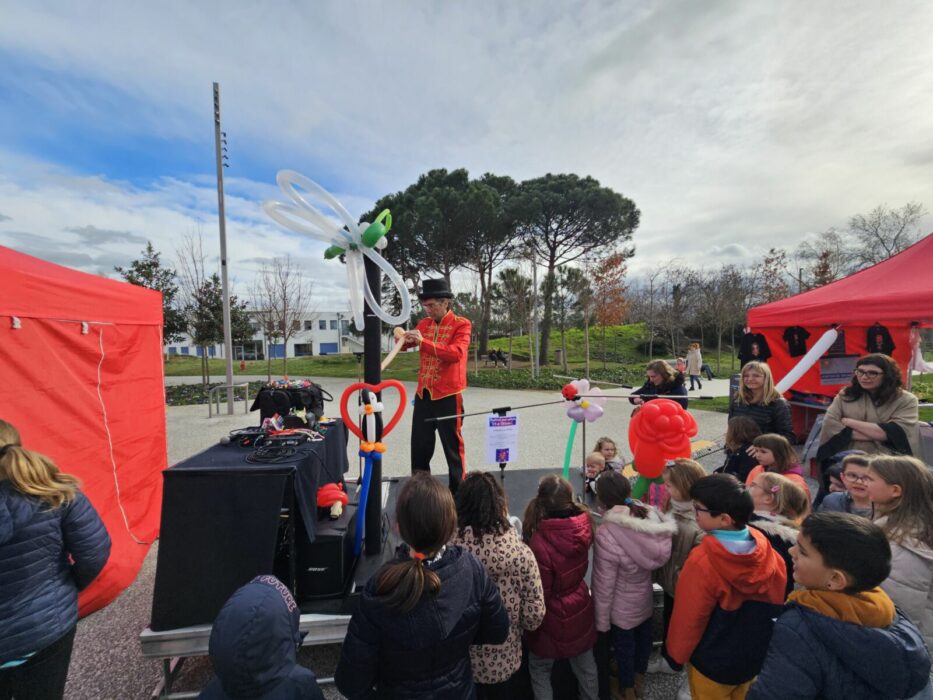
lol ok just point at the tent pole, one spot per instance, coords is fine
(228, 341)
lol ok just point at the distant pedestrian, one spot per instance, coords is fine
(694, 365)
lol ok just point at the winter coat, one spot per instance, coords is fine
(773, 417)
(628, 549)
(841, 502)
(423, 653)
(910, 583)
(816, 655)
(738, 462)
(667, 390)
(694, 362)
(561, 547)
(687, 537)
(253, 647)
(898, 417)
(512, 566)
(47, 555)
(782, 535)
(724, 609)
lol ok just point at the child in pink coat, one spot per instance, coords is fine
(633, 541)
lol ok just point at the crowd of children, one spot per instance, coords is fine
(762, 598)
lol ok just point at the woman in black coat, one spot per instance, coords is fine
(661, 381)
(410, 636)
(758, 399)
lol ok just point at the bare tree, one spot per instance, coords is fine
(191, 271)
(885, 232)
(282, 298)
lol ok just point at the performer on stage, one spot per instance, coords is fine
(443, 339)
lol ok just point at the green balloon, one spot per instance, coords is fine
(373, 233)
(333, 252)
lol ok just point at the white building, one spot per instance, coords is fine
(318, 333)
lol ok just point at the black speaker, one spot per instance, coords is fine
(323, 567)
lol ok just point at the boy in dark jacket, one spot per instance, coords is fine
(253, 647)
(729, 592)
(841, 637)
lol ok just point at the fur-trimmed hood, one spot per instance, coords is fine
(776, 526)
(653, 524)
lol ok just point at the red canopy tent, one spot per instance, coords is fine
(81, 360)
(894, 293)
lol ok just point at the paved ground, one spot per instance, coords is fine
(107, 662)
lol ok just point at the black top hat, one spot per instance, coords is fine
(435, 289)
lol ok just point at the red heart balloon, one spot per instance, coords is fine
(387, 427)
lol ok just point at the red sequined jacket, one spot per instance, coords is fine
(444, 355)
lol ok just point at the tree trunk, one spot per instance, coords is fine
(545, 329)
(733, 348)
(510, 350)
(268, 361)
(586, 341)
(604, 347)
(563, 346)
(486, 309)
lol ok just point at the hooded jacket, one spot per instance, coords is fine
(724, 609)
(628, 549)
(423, 653)
(561, 546)
(47, 555)
(253, 647)
(841, 646)
(910, 583)
(512, 566)
(687, 537)
(782, 535)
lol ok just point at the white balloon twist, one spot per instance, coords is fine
(354, 240)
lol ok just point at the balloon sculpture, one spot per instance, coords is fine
(807, 361)
(370, 448)
(659, 431)
(583, 404)
(349, 238)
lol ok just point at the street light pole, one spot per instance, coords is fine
(228, 340)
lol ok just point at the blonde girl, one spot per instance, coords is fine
(610, 452)
(780, 506)
(52, 544)
(901, 489)
(679, 477)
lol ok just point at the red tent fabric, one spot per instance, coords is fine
(82, 380)
(893, 293)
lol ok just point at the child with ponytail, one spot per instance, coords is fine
(559, 532)
(410, 636)
(633, 541)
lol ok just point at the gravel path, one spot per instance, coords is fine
(107, 662)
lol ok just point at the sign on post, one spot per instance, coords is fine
(501, 439)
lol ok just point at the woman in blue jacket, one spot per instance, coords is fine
(410, 636)
(52, 544)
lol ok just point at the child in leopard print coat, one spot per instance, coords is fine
(485, 531)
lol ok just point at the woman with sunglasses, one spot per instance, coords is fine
(873, 413)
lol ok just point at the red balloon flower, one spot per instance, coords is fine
(660, 431)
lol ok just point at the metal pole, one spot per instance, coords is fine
(535, 342)
(372, 374)
(228, 341)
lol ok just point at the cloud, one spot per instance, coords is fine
(733, 127)
(91, 235)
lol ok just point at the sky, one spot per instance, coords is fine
(733, 126)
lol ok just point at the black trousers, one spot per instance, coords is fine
(43, 676)
(423, 436)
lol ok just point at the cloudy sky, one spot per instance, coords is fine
(734, 126)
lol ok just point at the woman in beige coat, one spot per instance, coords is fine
(694, 365)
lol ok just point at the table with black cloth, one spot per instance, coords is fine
(222, 521)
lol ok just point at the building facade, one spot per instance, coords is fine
(317, 333)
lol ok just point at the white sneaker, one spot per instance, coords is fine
(659, 665)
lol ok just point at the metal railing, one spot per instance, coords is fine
(214, 395)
